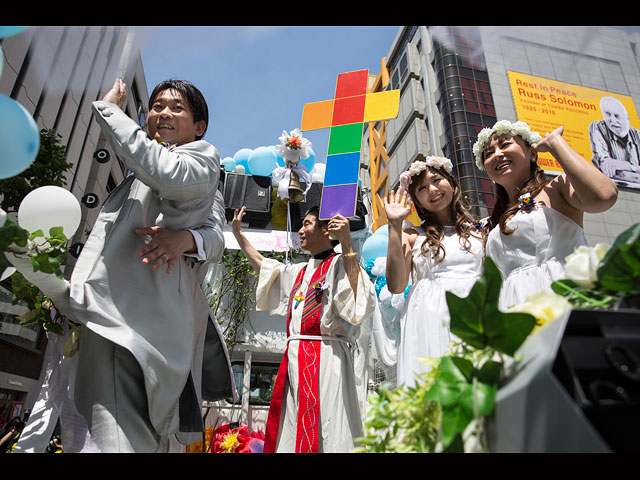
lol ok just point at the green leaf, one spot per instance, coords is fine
(620, 268)
(455, 374)
(489, 373)
(478, 399)
(476, 320)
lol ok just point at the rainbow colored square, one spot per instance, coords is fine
(345, 116)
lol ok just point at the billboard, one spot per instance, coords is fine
(603, 127)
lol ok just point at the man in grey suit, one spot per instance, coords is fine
(139, 370)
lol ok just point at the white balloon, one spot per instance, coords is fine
(47, 207)
(319, 168)
(239, 169)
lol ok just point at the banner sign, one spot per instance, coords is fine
(603, 127)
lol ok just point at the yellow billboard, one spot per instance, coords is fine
(594, 123)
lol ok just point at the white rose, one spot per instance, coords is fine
(582, 265)
(545, 306)
(3, 217)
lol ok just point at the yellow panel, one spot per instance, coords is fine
(381, 105)
(317, 115)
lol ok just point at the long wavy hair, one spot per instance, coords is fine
(503, 210)
(434, 231)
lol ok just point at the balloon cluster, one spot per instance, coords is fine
(374, 255)
(44, 207)
(262, 161)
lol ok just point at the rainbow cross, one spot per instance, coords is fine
(345, 115)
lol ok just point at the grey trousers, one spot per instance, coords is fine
(109, 392)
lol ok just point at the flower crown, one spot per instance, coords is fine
(419, 166)
(503, 127)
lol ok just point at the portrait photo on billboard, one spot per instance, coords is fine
(603, 127)
(615, 144)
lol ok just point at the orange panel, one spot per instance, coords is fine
(317, 115)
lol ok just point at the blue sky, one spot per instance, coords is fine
(256, 79)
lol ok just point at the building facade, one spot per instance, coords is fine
(454, 81)
(56, 73)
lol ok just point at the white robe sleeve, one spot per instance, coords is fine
(275, 282)
(343, 304)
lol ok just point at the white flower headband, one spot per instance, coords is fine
(503, 127)
(419, 166)
(293, 146)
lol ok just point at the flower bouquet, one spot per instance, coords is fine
(603, 276)
(229, 439)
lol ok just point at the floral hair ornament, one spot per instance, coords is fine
(419, 166)
(503, 127)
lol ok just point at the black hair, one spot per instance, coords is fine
(191, 94)
(315, 212)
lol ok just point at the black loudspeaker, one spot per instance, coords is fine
(313, 198)
(598, 363)
(577, 388)
(252, 191)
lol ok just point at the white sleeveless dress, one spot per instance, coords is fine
(424, 325)
(532, 257)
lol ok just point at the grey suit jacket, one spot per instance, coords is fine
(161, 319)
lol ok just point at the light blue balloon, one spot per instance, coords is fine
(383, 230)
(19, 138)
(228, 164)
(279, 159)
(373, 247)
(241, 157)
(262, 161)
(310, 161)
(8, 31)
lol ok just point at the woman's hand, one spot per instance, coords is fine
(550, 141)
(398, 207)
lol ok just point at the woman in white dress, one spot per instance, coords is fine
(445, 253)
(536, 222)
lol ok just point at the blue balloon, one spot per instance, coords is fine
(19, 138)
(241, 157)
(228, 164)
(8, 31)
(262, 161)
(310, 161)
(383, 230)
(374, 247)
(279, 159)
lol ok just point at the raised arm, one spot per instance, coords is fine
(254, 256)
(339, 226)
(186, 172)
(583, 186)
(398, 270)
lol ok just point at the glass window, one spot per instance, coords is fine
(263, 377)
(11, 329)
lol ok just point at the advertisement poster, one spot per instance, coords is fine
(603, 127)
